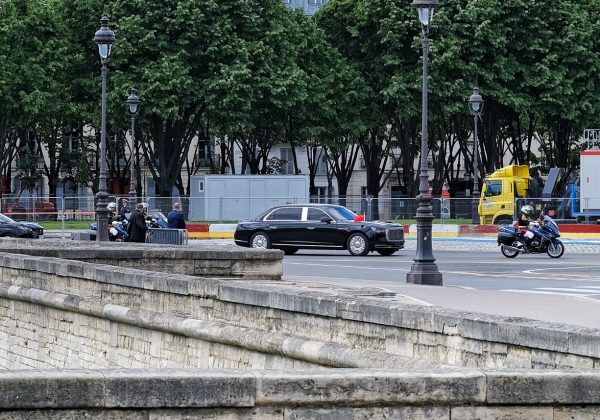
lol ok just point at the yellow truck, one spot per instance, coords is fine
(500, 191)
(513, 186)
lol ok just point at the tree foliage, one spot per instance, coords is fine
(253, 74)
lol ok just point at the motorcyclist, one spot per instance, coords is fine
(523, 223)
(112, 211)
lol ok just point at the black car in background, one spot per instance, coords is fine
(13, 229)
(318, 226)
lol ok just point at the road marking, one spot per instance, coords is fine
(419, 301)
(583, 289)
(541, 292)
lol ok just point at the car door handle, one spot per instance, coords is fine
(310, 227)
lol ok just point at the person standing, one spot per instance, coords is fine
(136, 228)
(175, 218)
(125, 210)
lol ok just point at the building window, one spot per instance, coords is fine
(288, 160)
(322, 164)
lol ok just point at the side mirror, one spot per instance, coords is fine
(325, 219)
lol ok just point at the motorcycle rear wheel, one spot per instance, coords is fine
(509, 253)
(556, 249)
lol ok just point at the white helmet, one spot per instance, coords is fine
(112, 206)
(527, 210)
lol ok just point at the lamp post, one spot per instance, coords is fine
(424, 270)
(133, 101)
(104, 38)
(475, 107)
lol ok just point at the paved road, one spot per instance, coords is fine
(477, 277)
(478, 265)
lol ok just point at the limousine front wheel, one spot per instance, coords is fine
(358, 244)
(260, 240)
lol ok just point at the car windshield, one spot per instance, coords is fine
(342, 213)
(6, 219)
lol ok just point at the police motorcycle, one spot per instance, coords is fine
(117, 229)
(157, 221)
(541, 237)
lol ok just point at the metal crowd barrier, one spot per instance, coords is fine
(167, 236)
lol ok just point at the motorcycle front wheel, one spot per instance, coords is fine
(509, 253)
(556, 249)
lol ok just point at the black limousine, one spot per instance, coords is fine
(318, 226)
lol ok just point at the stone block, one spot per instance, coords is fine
(189, 388)
(501, 413)
(548, 360)
(51, 389)
(578, 413)
(367, 387)
(367, 413)
(536, 334)
(543, 387)
(584, 341)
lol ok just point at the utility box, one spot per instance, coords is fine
(589, 180)
(238, 197)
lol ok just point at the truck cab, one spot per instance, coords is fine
(499, 193)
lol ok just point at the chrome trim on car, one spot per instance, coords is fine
(394, 234)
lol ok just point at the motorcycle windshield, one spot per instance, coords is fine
(551, 226)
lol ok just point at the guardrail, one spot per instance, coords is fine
(167, 236)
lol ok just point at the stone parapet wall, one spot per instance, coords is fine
(48, 329)
(258, 394)
(336, 328)
(216, 260)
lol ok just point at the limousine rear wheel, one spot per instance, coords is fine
(260, 240)
(358, 244)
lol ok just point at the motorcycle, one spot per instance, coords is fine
(117, 231)
(544, 240)
(157, 221)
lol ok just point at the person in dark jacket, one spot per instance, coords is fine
(125, 209)
(175, 217)
(137, 224)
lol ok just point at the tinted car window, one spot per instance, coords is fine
(316, 214)
(342, 213)
(287, 213)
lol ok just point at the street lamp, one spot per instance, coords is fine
(424, 270)
(133, 101)
(104, 38)
(475, 107)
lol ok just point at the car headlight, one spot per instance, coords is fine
(24, 228)
(378, 229)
